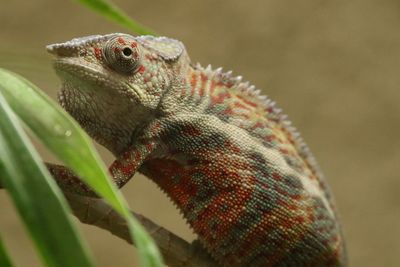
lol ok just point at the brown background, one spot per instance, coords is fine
(331, 65)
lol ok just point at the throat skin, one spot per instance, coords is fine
(105, 121)
(225, 154)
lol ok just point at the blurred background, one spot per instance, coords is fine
(331, 65)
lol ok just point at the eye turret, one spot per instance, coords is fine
(122, 54)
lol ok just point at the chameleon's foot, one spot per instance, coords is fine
(68, 181)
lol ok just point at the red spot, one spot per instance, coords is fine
(141, 69)
(220, 98)
(240, 105)
(228, 111)
(128, 169)
(137, 156)
(149, 147)
(269, 109)
(284, 151)
(191, 131)
(264, 186)
(248, 102)
(155, 127)
(277, 176)
(230, 146)
(292, 207)
(193, 82)
(133, 44)
(203, 84)
(212, 87)
(270, 138)
(121, 41)
(258, 125)
(116, 49)
(97, 52)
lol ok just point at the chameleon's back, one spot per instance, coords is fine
(245, 180)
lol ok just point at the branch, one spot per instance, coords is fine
(176, 251)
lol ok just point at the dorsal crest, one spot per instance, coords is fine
(167, 48)
(260, 105)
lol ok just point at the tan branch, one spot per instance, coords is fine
(176, 251)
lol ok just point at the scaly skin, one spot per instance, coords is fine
(226, 156)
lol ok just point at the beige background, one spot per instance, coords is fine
(331, 65)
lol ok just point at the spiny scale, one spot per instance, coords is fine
(251, 91)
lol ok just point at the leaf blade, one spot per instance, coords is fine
(5, 260)
(61, 134)
(39, 202)
(115, 14)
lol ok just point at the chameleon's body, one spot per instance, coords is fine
(223, 153)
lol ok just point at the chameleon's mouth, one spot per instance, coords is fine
(82, 74)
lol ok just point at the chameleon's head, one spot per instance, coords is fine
(112, 83)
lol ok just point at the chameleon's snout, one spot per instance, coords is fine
(51, 48)
(62, 49)
(69, 48)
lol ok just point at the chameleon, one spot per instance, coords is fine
(224, 153)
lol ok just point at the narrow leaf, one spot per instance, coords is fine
(62, 135)
(4, 258)
(37, 198)
(113, 13)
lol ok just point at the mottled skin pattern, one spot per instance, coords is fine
(226, 155)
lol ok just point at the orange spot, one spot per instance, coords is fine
(228, 111)
(141, 69)
(137, 156)
(213, 86)
(97, 52)
(248, 102)
(121, 41)
(240, 105)
(149, 147)
(128, 169)
(221, 97)
(193, 81)
(203, 84)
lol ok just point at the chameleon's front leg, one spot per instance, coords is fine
(121, 170)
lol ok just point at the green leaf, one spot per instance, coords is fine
(112, 12)
(62, 135)
(4, 258)
(37, 198)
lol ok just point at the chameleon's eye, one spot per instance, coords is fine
(122, 54)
